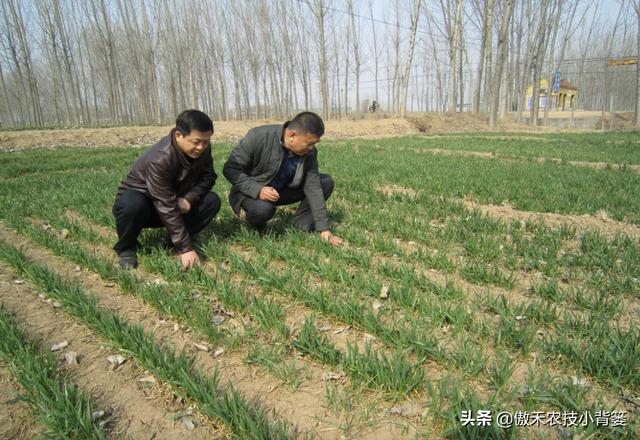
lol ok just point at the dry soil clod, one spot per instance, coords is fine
(217, 320)
(59, 346)
(71, 358)
(148, 379)
(201, 347)
(330, 375)
(188, 423)
(115, 361)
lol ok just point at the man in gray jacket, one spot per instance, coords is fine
(277, 165)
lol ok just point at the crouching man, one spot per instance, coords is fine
(277, 165)
(169, 185)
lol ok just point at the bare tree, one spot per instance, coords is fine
(484, 8)
(407, 67)
(320, 13)
(636, 119)
(355, 40)
(502, 51)
(118, 61)
(376, 54)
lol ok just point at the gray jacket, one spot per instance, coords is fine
(255, 162)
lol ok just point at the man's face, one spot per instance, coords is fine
(299, 144)
(194, 143)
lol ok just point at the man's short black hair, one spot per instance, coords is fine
(307, 123)
(190, 120)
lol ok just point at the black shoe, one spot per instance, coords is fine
(128, 260)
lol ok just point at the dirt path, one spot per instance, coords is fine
(135, 409)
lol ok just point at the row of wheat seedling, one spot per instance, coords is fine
(518, 328)
(610, 267)
(519, 341)
(526, 185)
(271, 310)
(177, 300)
(178, 370)
(66, 411)
(525, 146)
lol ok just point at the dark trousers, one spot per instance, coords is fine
(260, 211)
(134, 211)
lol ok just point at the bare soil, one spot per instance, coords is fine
(225, 131)
(599, 222)
(368, 126)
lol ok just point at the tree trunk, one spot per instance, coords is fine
(487, 28)
(375, 52)
(455, 42)
(636, 119)
(502, 56)
(324, 75)
(407, 67)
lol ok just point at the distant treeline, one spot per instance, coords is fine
(97, 62)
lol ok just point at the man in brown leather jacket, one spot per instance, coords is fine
(169, 185)
(277, 165)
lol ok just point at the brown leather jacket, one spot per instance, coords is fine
(164, 173)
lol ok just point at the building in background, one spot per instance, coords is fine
(565, 98)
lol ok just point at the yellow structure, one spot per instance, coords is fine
(565, 99)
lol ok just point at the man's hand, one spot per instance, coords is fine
(269, 194)
(183, 205)
(189, 259)
(333, 239)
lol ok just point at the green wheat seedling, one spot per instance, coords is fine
(60, 406)
(600, 300)
(515, 332)
(479, 273)
(549, 290)
(500, 370)
(460, 401)
(541, 312)
(377, 369)
(599, 349)
(310, 341)
(273, 359)
(173, 300)
(178, 370)
(348, 408)
(270, 315)
(470, 356)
